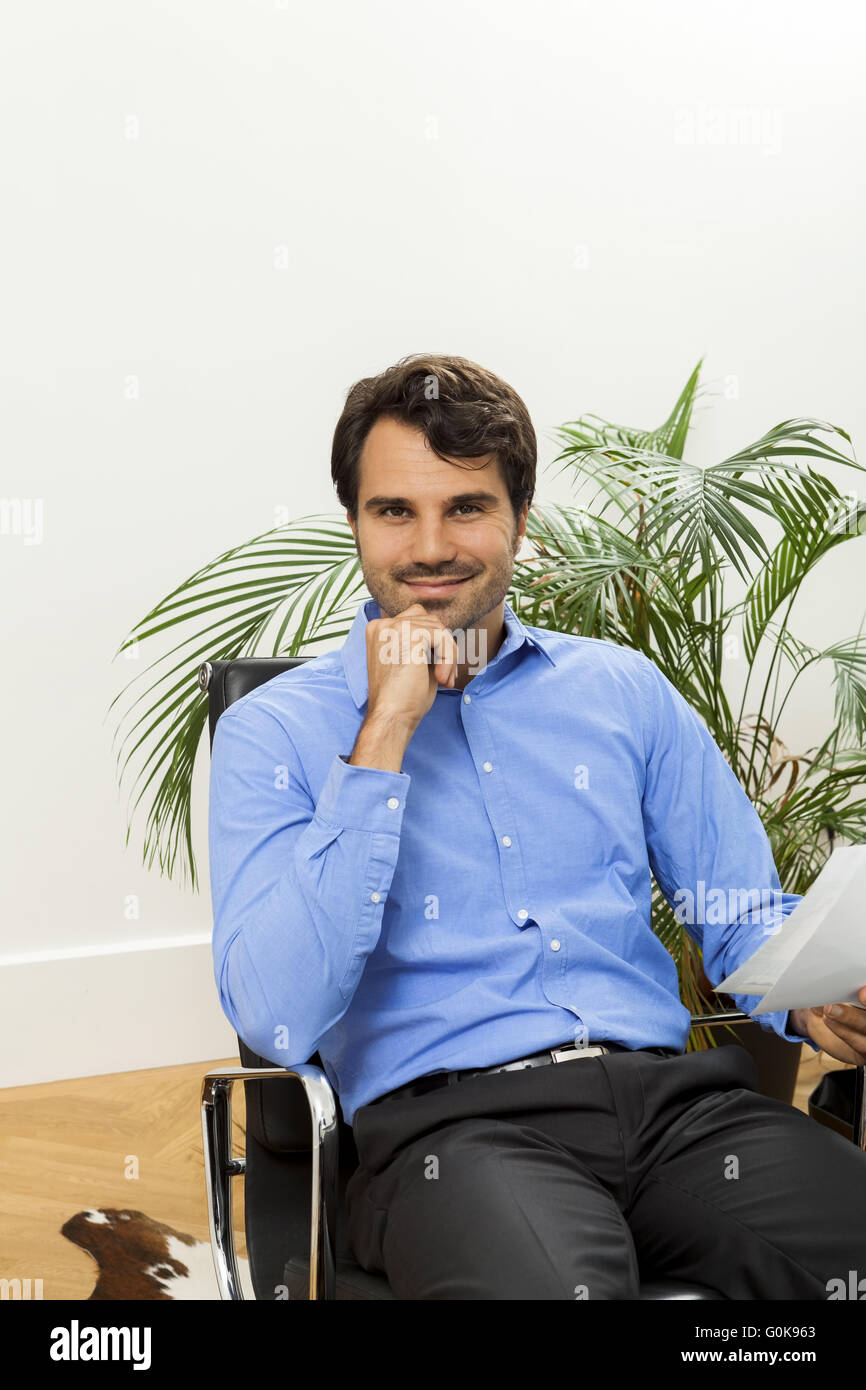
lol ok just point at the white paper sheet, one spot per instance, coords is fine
(818, 955)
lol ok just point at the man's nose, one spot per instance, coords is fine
(431, 545)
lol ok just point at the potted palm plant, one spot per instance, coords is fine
(663, 555)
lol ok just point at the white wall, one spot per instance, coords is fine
(584, 197)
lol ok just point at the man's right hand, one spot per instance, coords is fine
(402, 688)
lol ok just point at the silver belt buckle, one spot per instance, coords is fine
(566, 1054)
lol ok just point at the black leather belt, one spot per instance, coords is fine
(567, 1052)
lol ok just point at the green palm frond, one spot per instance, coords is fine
(810, 534)
(698, 511)
(593, 582)
(593, 433)
(304, 576)
(848, 659)
(849, 680)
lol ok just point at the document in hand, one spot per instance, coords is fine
(818, 954)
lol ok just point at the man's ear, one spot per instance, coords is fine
(521, 527)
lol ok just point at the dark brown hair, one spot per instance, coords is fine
(463, 410)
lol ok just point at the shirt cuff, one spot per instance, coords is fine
(363, 798)
(784, 1027)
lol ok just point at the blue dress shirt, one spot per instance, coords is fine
(493, 898)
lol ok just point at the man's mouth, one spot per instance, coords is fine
(432, 588)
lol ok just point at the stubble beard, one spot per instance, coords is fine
(460, 613)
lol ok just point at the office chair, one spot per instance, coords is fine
(297, 1126)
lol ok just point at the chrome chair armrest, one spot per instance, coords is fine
(220, 1168)
(723, 1016)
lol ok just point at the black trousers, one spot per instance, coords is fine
(580, 1179)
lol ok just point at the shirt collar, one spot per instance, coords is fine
(354, 649)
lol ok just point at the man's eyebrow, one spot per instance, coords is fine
(458, 500)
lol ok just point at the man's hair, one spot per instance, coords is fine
(462, 409)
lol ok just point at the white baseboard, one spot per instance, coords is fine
(87, 1011)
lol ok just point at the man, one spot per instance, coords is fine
(430, 862)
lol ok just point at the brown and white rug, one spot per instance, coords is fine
(139, 1258)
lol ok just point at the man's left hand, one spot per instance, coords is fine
(842, 1037)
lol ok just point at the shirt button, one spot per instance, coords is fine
(488, 767)
(374, 897)
(554, 945)
(393, 803)
(467, 699)
(506, 839)
(523, 912)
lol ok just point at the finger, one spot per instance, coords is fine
(428, 632)
(440, 645)
(846, 1015)
(832, 1040)
(851, 1037)
(445, 673)
(444, 655)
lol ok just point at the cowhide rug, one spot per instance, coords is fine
(139, 1258)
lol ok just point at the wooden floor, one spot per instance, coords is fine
(71, 1145)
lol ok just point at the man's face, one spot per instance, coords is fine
(410, 527)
